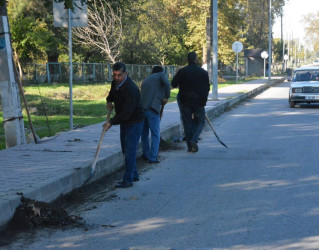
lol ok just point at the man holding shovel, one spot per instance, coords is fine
(193, 84)
(155, 91)
(129, 115)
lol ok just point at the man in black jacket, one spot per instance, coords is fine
(125, 95)
(193, 84)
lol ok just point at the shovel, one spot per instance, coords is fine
(210, 124)
(98, 150)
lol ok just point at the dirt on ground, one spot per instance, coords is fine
(166, 145)
(34, 214)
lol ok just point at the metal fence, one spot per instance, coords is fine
(102, 72)
(85, 72)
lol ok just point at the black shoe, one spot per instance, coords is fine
(145, 158)
(153, 162)
(136, 179)
(194, 147)
(123, 184)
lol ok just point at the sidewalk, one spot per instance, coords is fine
(47, 170)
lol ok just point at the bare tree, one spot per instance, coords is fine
(104, 30)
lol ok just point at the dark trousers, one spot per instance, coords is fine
(193, 117)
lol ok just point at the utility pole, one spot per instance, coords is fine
(11, 105)
(270, 45)
(209, 47)
(70, 67)
(296, 63)
(283, 46)
(288, 50)
(292, 50)
(214, 7)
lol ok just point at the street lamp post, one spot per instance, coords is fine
(237, 47)
(214, 7)
(70, 67)
(285, 61)
(270, 33)
(264, 55)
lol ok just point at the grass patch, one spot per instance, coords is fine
(89, 106)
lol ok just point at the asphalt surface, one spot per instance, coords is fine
(62, 164)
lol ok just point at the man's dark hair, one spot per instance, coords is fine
(157, 69)
(119, 66)
(191, 57)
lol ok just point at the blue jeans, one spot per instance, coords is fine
(130, 135)
(192, 127)
(151, 123)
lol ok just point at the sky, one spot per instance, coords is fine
(294, 11)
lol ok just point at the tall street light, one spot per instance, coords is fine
(213, 8)
(270, 33)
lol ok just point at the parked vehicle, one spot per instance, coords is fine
(304, 87)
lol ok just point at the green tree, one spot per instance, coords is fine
(256, 28)
(153, 33)
(33, 36)
(312, 31)
(230, 22)
(278, 47)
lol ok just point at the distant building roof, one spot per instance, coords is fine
(253, 52)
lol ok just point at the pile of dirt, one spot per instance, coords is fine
(35, 214)
(168, 145)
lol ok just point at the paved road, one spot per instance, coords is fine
(260, 193)
(47, 170)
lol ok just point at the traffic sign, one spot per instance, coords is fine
(264, 54)
(237, 46)
(79, 17)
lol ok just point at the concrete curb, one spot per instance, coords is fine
(74, 179)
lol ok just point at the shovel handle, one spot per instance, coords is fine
(211, 126)
(98, 149)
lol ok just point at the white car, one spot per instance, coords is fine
(304, 87)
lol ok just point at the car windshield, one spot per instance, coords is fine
(306, 76)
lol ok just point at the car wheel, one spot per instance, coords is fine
(292, 104)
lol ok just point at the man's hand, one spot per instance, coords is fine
(164, 101)
(107, 125)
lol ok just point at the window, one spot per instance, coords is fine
(306, 75)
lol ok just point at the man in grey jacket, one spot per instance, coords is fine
(155, 91)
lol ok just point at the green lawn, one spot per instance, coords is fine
(49, 107)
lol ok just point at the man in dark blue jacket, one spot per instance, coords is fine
(126, 97)
(193, 84)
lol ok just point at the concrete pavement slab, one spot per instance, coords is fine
(56, 167)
